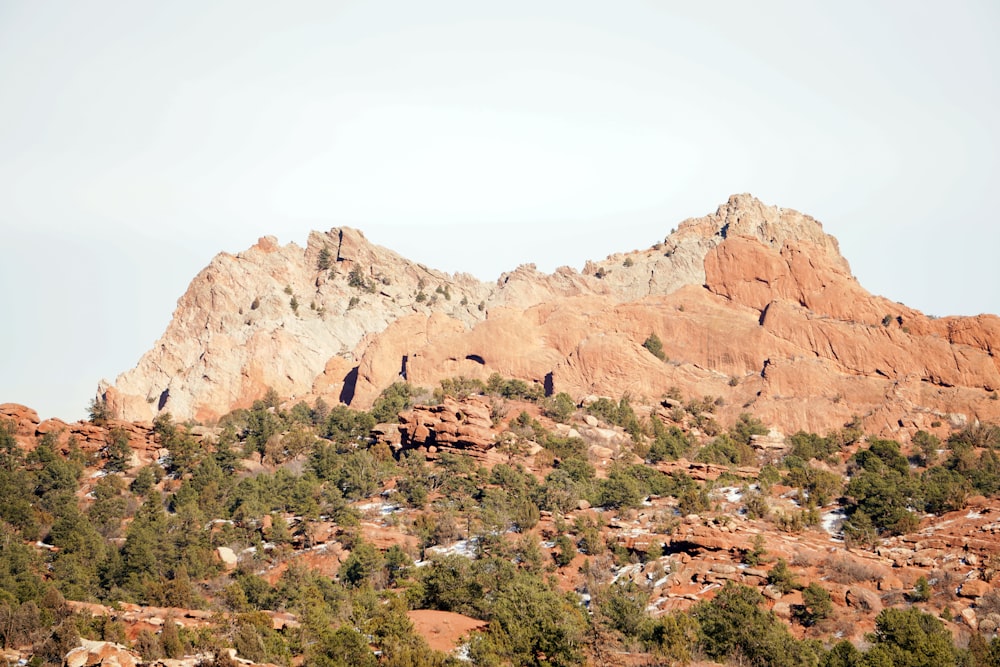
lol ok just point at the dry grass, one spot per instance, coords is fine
(844, 570)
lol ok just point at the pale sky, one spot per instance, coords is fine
(139, 139)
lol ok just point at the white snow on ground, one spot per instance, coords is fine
(461, 652)
(465, 548)
(832, 521)
(973, 514)
(654, 606)
(267, 546)
(732, 494)
(382, 508)
(628, 570)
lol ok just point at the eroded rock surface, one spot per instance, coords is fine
(753, 303)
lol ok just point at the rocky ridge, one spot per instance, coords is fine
(754, 303)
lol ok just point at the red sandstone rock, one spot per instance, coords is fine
(974, 588)
(443, 629)
(753, 303)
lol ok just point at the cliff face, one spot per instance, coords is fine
(753, 303)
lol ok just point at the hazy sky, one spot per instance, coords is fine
(138, 139)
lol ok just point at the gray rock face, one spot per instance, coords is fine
(298, 320)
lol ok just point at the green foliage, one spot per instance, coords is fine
(356, 278)
(819, 485)
(145, 479)
(911, 638)
(655, 346)
(817, 604)
(977, 435)
(513, 388)
(460, 388)
(20, 571)
(365, 560)
(622, 606)
(884, 490)
(255, 639)
(342, 647)
(921, 590)
(394, 399)
(860, 530)
(782, 578)
(981, 469)
(565, 551)
(561, 493)
(806, 446)
(669, 443)
(734, 626)
(531, 624)
(355, 473)
(117, 451)
(672, 637)
(926, 447)
(323, 259)
(346, 426)
(627, 486)
(943, 490)
(723, 450)
(559, 407)
(99, 411)
(745, 428)
(754, 555)
(620, 490)
(882, 455)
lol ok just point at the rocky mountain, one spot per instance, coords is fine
(753, 304)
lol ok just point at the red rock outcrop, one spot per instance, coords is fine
(753, 303)
(453, 425)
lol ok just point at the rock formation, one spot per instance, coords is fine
(753, 303)
(454, 425)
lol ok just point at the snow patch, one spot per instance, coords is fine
(833, 521)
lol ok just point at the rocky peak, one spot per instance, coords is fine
(753, 303)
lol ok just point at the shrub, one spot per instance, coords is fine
(782, 578)
(356, 278)
(816, 603)
(323, 259)
(734, 626)
(921, 590)
(655, 346)
(459, 387)
(559, 407)
(623, 606)
(724, 451)
(911, 638)
(566, 550)
(513, 388)
(394, 399)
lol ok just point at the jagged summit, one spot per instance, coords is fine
(753, 303)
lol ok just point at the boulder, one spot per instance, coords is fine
(974, 588)
(106, 654)
(864, 599)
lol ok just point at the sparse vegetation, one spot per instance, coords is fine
(655, 347)
(148, 535)
(323, 259)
